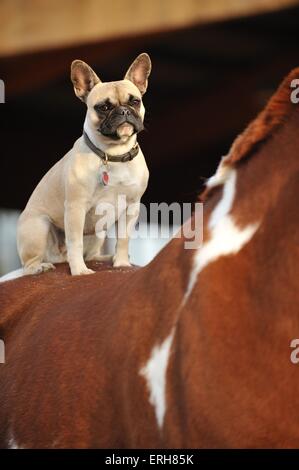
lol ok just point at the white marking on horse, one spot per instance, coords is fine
(12, 275)
(226, 237)
(220, 176)
(154, 373)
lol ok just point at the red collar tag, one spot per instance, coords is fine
(105, 178)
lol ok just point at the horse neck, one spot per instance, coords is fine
(262, 184)
(256, 191)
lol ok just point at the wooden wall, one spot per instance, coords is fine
(34, 25)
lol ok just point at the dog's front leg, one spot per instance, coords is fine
(74, 220)
(125, 225)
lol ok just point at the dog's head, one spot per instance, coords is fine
(115, 110)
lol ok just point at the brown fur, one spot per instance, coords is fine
(71, 343)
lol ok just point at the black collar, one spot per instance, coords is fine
(125, 157)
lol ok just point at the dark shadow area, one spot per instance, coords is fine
(207, 83)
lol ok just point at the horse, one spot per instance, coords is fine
(190, 351)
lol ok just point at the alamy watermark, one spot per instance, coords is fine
(2, 91)
(2, 352)
(295, 92)
(295, 353)
(161, 221)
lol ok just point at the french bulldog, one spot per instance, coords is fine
(61, 221)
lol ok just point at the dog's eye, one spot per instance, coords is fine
(103, 107)
(135, 102)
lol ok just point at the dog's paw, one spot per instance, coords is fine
(38, 268)
(121, 262)
(82, 272)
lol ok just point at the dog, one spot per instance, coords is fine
(60, 222)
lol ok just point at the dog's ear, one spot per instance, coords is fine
(83, 78)
(139, 72)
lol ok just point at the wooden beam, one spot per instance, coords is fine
(30, 25)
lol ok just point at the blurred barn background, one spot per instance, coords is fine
(215, 64)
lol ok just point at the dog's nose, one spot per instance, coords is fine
(123, 111)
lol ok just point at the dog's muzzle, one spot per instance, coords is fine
(118, 117)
